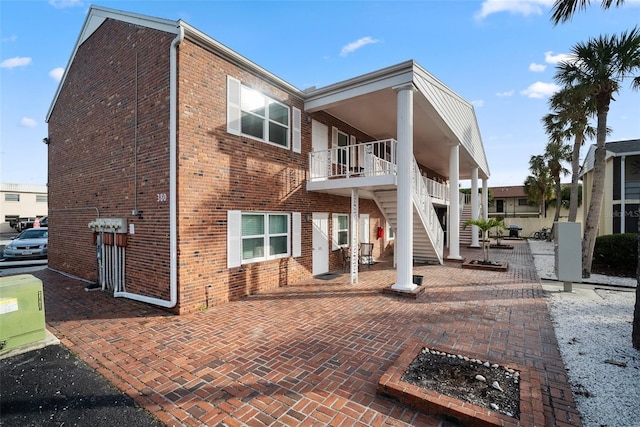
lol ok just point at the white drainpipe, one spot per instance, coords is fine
(173, 241)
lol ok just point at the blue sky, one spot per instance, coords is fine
(498, 54)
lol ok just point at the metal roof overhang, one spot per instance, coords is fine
(369, 103)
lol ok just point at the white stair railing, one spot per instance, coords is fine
(422, 200)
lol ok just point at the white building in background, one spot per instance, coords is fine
(20, 201)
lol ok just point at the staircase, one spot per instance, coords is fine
(423, 248)
(465, 233)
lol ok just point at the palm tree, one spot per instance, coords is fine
(485, 225)
(537, 186)
(562, 14)
(599, 67)
(556, 153)
(571, 108)
(563, 10)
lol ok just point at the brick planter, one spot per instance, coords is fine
(464, 413)
(471, 265)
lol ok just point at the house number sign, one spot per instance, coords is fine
(162, 197)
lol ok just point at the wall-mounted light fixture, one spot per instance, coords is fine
(45, 140)
(307, 218)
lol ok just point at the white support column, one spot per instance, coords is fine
(353, 228)
(454, 202)
(475, 207)
(485, 199)
(623, 195)
(404, 235)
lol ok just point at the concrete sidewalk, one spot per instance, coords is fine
(311, 353)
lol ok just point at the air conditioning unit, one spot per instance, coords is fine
(21, 311)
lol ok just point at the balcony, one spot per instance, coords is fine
(368, 166)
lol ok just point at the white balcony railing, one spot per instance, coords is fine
(364, 159)
(437, 190)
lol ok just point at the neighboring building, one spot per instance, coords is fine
(512, 202)
(621, 189)
(21, 201)
(204, 178)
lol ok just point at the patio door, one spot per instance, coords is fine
(320, 142)
(320, 243)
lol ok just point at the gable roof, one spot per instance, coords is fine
(508, 191)
(627, 147)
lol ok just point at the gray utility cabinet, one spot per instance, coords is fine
(568, 251)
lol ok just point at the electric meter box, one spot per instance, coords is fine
(568, 251)
(21, 311)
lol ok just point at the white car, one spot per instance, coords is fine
(30, 244)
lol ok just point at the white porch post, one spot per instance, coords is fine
(485, 199)
(353, 244)
(454, 202)
(404, 235)
(623, 196)
(475, 207)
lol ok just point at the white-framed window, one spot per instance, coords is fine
(260, 236)
(11, 197)
(264, 236)
(41, 198)
(340, 231)
(253, 114)
(390, 233)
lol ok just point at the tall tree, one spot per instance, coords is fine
(599, 67)
(563, 10)
(562, 17)
(556, 153)
(571, 108)
(537, 186)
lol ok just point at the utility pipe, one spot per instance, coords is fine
(173, 100)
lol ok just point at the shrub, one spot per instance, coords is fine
(618, 252)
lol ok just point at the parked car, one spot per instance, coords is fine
(42, 221)
(24, 223)
(30, 244)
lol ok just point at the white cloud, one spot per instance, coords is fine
(537, 68)
(550, 58)
(61, 4)
(56, 73)
(540, 90)
(353, 46)
(15, 62)
(27, 122)
(478, 103)
(505, 94)
(521, 7)
(10, 39)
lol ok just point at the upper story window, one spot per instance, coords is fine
(11, 197)
(41, 198)
(253, 114)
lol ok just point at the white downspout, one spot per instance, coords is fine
(173, 241)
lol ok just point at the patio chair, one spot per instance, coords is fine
(346, 258)
(366, 253)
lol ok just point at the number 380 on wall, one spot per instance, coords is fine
(162, 197)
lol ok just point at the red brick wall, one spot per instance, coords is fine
(220, 172)
(92, 164)
(92, 158)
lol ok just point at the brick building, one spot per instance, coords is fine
(194, 176)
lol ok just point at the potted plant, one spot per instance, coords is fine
(485, 225)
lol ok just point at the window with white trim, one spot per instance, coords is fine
(41, 198)
(264, 236)
(340, 232)
(11, 197)
(390, 233)
(255, 115)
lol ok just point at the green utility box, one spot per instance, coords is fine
(21, 311)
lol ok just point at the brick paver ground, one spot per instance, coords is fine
(311, 353)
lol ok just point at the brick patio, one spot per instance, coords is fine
(312, 353)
